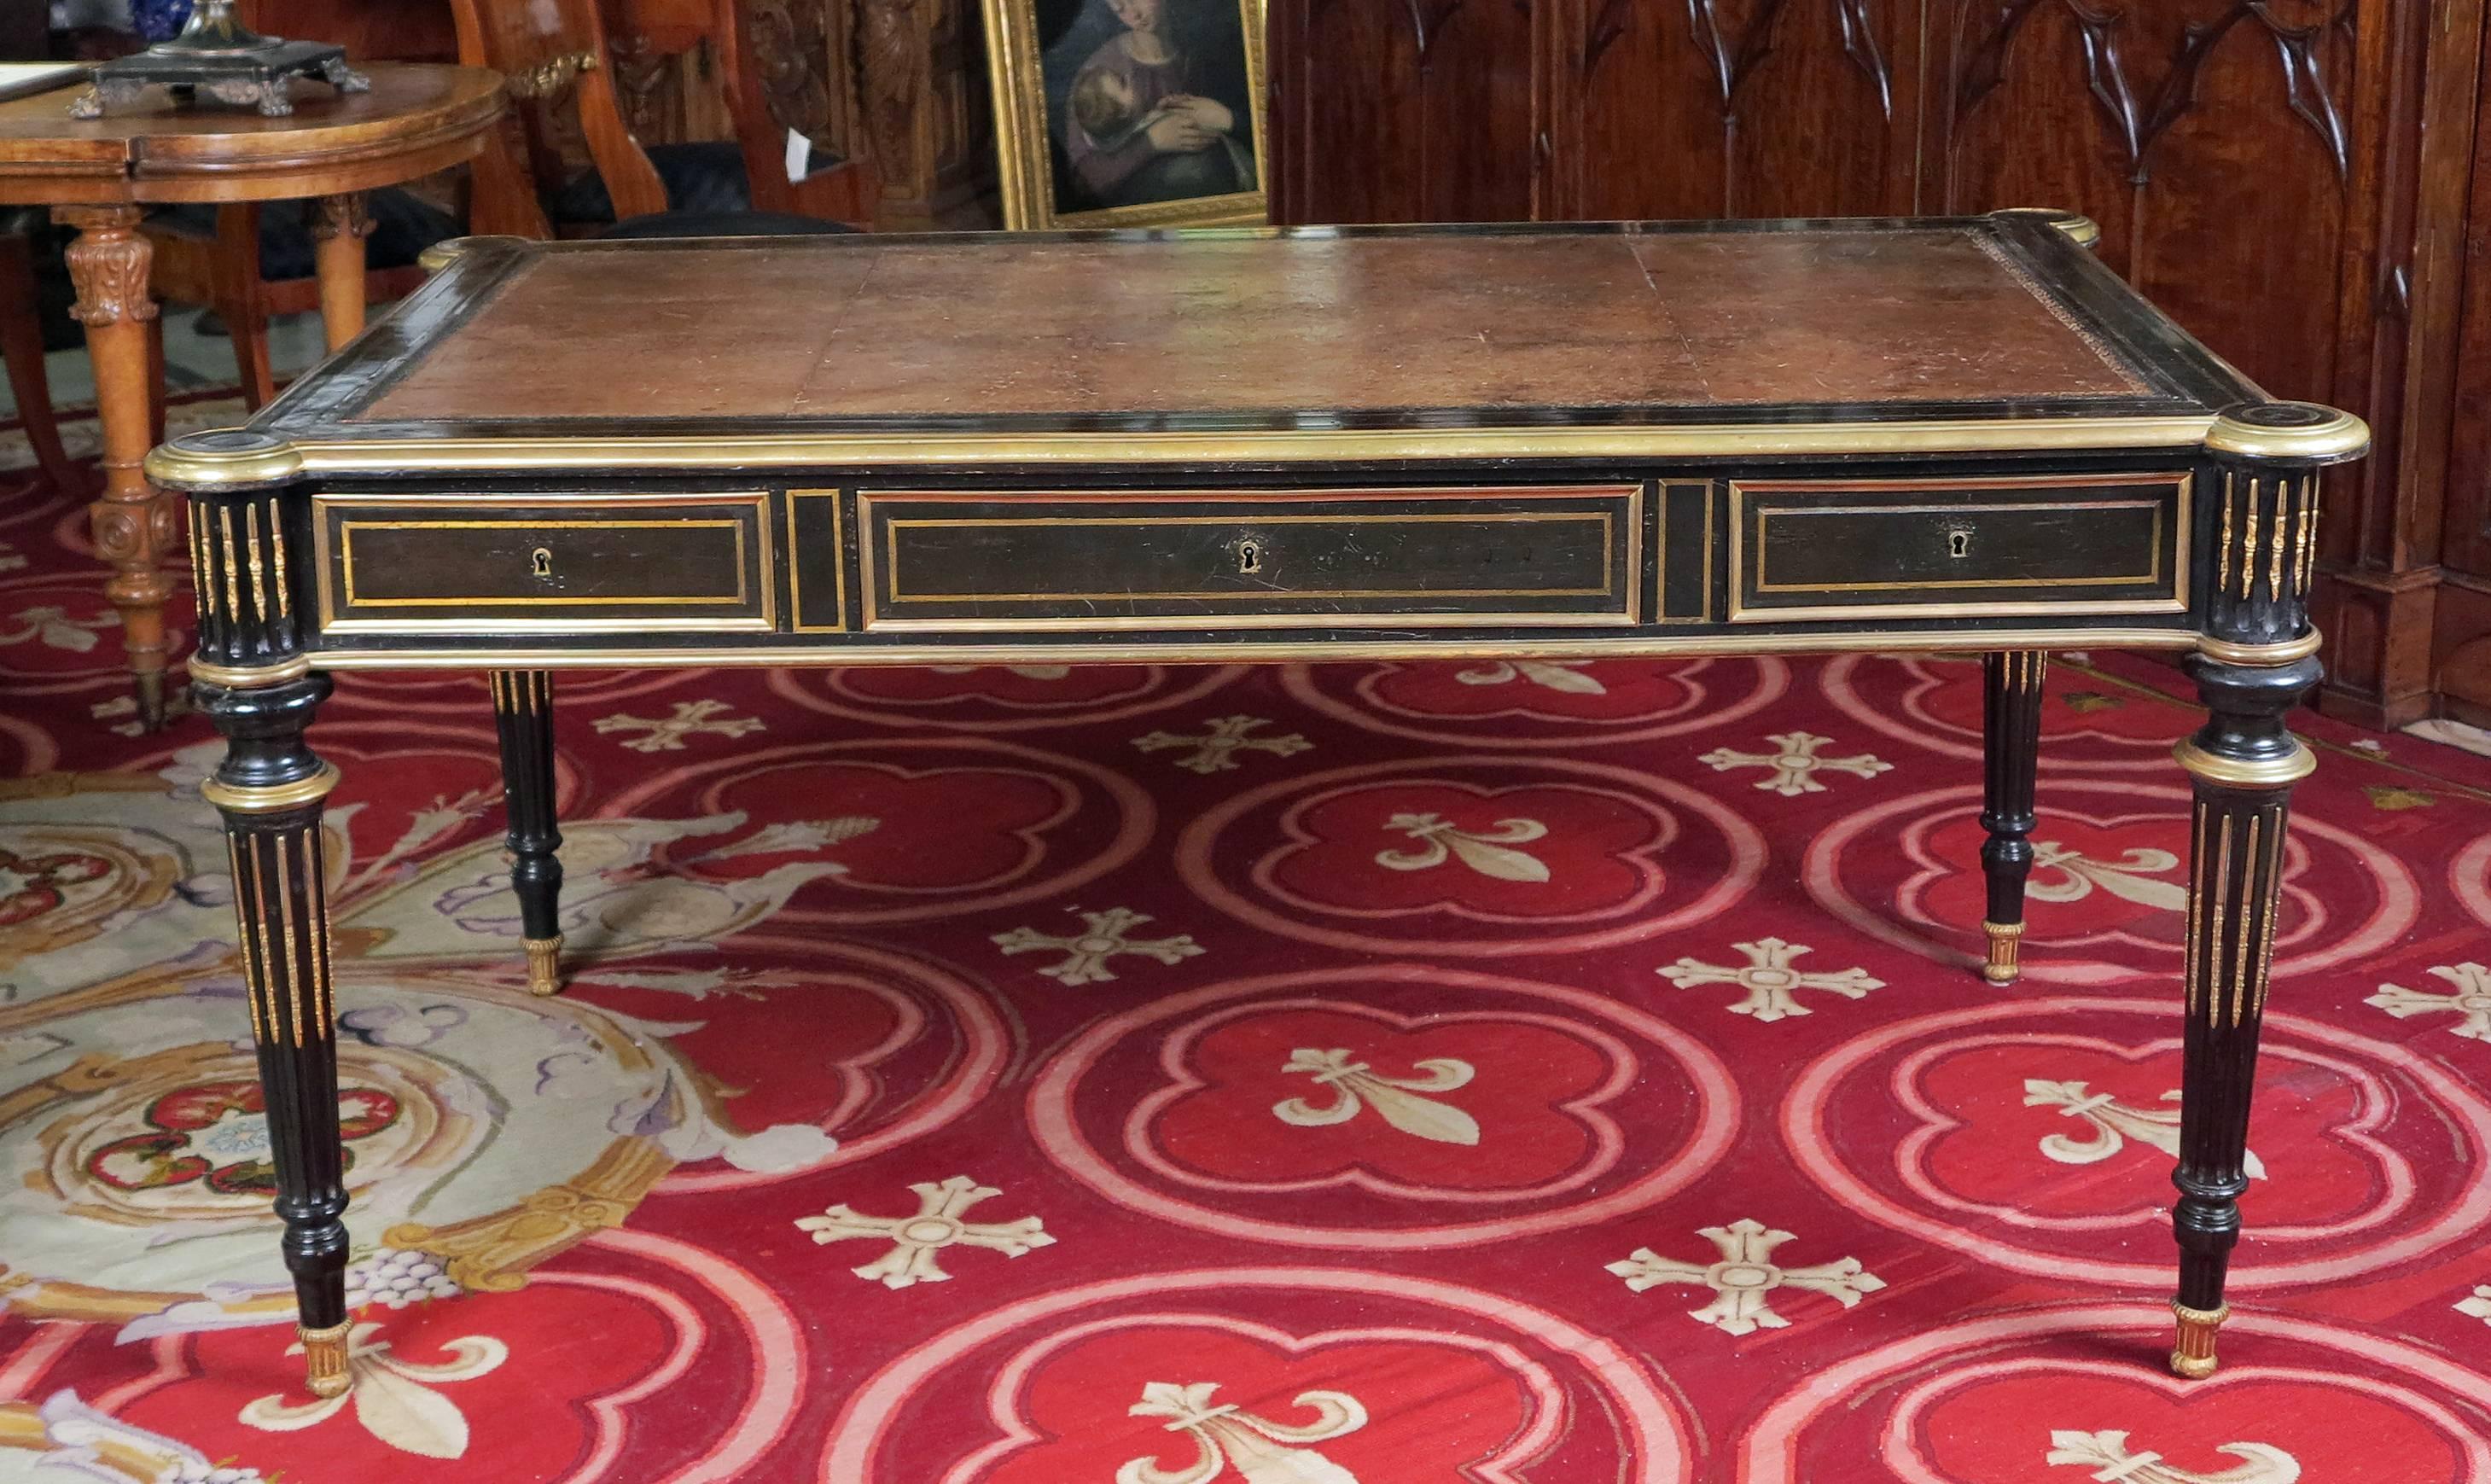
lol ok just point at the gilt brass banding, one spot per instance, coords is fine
(2218, 890)
(2339, 436)
(285, 922)
(181, 467)
(2283, 653)
(2245, 773)
(250, 798)
(2249, 863)
(245, 887)
(249, 677)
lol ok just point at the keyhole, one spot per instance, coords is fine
(540, 563)
(1959, 543)
(1249, 557)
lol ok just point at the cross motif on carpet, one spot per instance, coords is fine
(1104, 935)
(1795, 764)
(916, 1238)
(2471, 1000)
(1743, 1279)
(1216, 750)
(692, 718)
(1771, 984)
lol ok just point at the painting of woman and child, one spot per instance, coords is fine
(1149, 110)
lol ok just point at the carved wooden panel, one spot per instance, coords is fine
(1735, 107)
(1418, 110)
(2211, 139)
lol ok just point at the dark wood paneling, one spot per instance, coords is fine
(1416, 112)
(1701, 110)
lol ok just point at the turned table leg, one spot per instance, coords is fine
(338, 226)
(2256, 659)
(523, 710)
(2011, 757)
(252, 679)
(110, 263)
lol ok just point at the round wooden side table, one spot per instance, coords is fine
(100, 175)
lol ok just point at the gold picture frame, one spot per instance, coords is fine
(1038, 49)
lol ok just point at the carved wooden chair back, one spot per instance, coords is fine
(558, 68)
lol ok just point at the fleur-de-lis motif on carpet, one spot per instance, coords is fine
(1560, 675)
(2064, 875)
(2113, 1123)
(1227, 1437)
(1771, 984)
(1487, 852)
(393, 1398)
(2477, 1303)
(1796, 767)
(1402, 1101)
(692, 718)
(936, 1224)
(54, 627)
(2470, 1001)
(1104, 935)
(2116, 1463)
(1742, 1281)
(1216, 750)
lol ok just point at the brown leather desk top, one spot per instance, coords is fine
(1627, 340)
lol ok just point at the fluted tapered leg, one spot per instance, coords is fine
(2011, 756)
(2257, 659)
(523, 710)
(269, 791)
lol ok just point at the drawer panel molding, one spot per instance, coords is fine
(1820, 549)
(1533, 557)
(532, 565)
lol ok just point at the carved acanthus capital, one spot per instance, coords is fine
(109, 264)
(340, 215)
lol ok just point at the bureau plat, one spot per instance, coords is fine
(1582, 442)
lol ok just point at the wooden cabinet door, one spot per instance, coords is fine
(1733, 107)
(1403, 110)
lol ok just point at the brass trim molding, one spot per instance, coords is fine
(2284, 653)
(245, 799)
(2192, 1355)
(249, 677)
(544, 964)
(181, 466)
(2005, 940)
(2239, 773)
(2335, 436)
(1647, 646)
(324, 1360)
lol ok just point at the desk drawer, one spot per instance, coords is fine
(1848, 549)
(1529, 557)
(568, 564)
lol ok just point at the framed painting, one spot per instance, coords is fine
(1129, 112)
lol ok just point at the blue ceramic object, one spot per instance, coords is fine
(159, 20)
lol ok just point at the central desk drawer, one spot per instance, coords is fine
(1946, 549)
(1530, 557)
(515, 565)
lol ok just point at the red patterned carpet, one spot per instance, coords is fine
(1364, 1074)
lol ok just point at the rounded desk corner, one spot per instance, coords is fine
(442, 254)
(222, 460)
(2289, 432)
(2081, 229)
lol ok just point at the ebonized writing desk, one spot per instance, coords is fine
(1260, 446)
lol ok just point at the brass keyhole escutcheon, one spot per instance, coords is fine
(1959, 543)
(1249, 557)
(540, 563)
